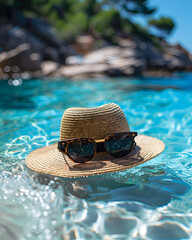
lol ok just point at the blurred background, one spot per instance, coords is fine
(61, 39)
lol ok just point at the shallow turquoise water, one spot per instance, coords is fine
(150, 201)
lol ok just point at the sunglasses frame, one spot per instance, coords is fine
(64, 144)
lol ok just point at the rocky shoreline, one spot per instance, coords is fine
(29, 48)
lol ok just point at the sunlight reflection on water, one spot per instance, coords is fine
(151, 201)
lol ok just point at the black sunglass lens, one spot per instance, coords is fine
(80, 150)
(119, 145)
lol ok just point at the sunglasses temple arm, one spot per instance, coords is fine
(59, 145)
(134, 134)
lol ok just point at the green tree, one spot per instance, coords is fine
(133, 6)
(165, 25)
(101, 18)
(106, 24)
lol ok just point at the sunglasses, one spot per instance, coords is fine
(81, 150)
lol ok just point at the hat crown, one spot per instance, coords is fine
(95, 123)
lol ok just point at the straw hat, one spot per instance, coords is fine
(95, 123)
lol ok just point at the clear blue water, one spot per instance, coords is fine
(150, 201)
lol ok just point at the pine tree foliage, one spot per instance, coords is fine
(101, 18)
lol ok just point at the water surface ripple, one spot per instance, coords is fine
(150, 201)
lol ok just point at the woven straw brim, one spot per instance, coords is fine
(51, 161)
